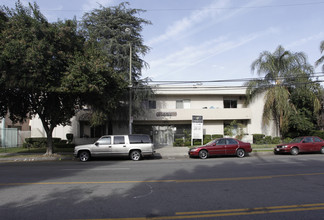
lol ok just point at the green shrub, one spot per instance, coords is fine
(196, 142)
(207, 138)
(26, 145)
(258, 138)
(276, 140)
(178, 142)
(69, 137)
(215, 136)
(64, 145)
(39, 142)
(287, 140)
(267, 139)
(317, 133)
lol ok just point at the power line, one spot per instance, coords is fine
(204, 8)
(217, 88)
(173, 82)
(240, 7)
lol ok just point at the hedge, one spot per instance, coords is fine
(39, 142)
(64, 145)
(187, 142)
(317, 133)
(258, 138)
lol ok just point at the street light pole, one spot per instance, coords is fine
(128, 31)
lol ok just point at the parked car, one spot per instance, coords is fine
(301, 144)
(221, 146)
(135, 146)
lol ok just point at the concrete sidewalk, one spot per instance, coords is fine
(170, 152)
(29, 157)
(167, 152)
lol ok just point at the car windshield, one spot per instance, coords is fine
(297, 140)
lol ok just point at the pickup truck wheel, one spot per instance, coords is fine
(135, 155)
(84, 156)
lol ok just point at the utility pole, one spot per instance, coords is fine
(130, 85)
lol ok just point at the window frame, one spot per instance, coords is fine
(230, 103)
(120, 140)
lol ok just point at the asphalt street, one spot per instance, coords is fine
(255, 187)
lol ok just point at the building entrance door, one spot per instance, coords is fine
(163, 135)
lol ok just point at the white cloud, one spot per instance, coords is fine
(208, 16)
(193, 55)
(181, 26)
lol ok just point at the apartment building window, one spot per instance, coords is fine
(230, 103)
(183, 104)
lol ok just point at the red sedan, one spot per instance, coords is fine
(221, 146)
(301, 144)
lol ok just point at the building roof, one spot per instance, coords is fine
(198, 90)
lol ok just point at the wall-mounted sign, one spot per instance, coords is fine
(166, 114)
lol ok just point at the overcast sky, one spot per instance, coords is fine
(206, 40)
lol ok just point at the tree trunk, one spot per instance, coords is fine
(49, 150)
(49, 132)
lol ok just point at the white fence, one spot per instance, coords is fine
(12, 137)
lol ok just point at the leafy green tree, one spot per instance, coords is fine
(234, 129)
(279, 70)
(34, 57)
(306, 96)
(113, 31)
(52, 70)
(321, 59)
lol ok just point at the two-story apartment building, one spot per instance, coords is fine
(169, 115)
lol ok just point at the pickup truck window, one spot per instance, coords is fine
(119, 140)
(104, 140)
(137, 139)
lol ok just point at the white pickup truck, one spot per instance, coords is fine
(135, 146)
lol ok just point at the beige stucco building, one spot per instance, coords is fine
(168, 115)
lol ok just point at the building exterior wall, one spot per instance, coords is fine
(213, 127)
(167, 122)
(208, 103)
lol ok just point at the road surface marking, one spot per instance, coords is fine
(230, 212)
(169, 181)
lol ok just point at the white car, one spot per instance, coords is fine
(135, 146)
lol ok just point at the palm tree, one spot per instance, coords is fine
(321, 60)
(279, 71)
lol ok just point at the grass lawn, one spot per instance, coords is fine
(263, 147)
(13, 150)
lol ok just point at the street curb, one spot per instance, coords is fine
(160, 154)
(34, 157)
